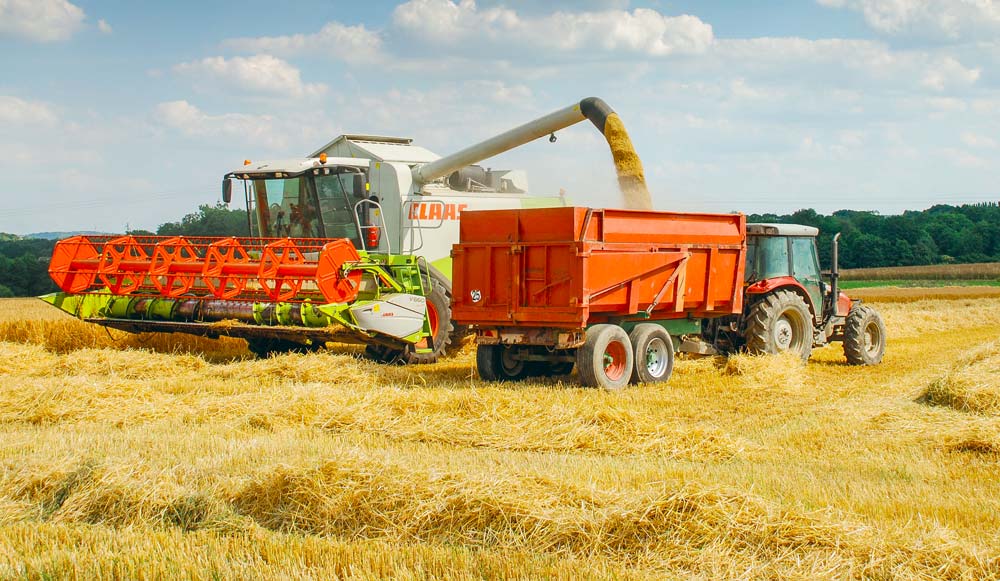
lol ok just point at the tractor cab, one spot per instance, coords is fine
(310, 198)
(785, 254)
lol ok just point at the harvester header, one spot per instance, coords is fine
(257, 269)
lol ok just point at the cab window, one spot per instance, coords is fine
(338, 193)
(805, 264)
(767, 257)
(284, 208)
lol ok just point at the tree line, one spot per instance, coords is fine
(24, 262)
(938, 235)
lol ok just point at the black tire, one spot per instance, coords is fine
(438, 299)
(605, 360)
(653, 354)
(548, 368)
(561, 368)
(493, 362)
(264, 348)
(864, 336)
(780, 322)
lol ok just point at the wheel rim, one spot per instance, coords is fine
(615, 359)
(657, 357)
(432, 317)
(508, 364)
(788, 331)
(873, 338)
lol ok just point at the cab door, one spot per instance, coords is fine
(805, 269)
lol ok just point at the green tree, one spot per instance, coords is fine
(216, 220)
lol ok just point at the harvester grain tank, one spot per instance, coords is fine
(616, 293)
(385, 199)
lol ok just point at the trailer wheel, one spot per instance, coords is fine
(494, 363)
(864, 336)
(654, 354)
(605, 359)
(780, 322)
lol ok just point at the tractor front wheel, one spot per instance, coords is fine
(780, 322)
(864, 336)
(605, 360)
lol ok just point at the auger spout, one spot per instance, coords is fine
(627, 164)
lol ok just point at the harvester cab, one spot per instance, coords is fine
(791, 305)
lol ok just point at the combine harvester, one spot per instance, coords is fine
(332, 252)
(616, 292)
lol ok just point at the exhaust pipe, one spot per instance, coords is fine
(630, 175)
(834, 273)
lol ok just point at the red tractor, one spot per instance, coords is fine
(789, 305)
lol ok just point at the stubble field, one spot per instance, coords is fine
(163, 457)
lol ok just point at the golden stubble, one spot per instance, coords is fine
(196, 460)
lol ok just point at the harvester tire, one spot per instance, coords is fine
(264, 348)
(780, 322)
(864, 336)
(605, 360)
(493, 362)
(439, 302)
(654, 354)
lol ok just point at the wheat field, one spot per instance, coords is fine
(151, 457)
(971, 271)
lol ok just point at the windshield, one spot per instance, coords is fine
(284, 208)
(767, 257)
(309, 206)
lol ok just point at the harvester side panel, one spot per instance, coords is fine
(573, 267)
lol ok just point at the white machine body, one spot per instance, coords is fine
(398, 315)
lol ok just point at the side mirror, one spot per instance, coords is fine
(227, 190)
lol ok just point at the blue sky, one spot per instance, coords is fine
(115, 113)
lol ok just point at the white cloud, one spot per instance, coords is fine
(193, 122)
(104, 27)
(40, 20)
(354, 44)
(259, 73)
(838, 60)
(935, 18)
(641, 31)
(981, 141)
(948, 71)
(14, 111)
(963, 158)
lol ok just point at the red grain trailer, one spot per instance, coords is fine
(610, 291)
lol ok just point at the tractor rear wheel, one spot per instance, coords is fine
(654, 354)
(605, 360)
(780, 322)
(864, 336)
(442, 328)
(495, 363)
